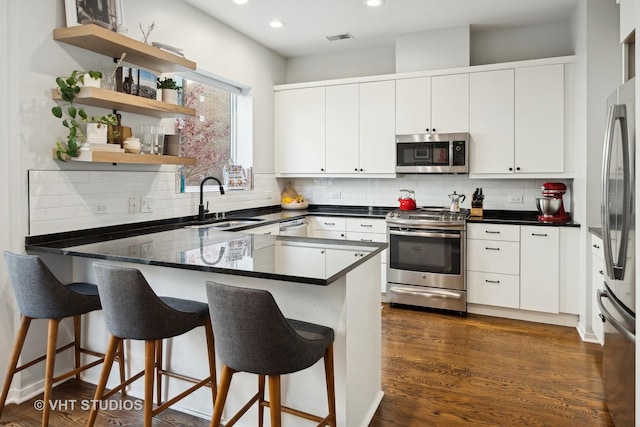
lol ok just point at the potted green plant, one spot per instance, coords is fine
(169, 89)
(72, 118)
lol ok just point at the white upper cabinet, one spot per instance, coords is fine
(491, 121)
(413, 105)
(377, 127)
(450, 103)
(516, 120)
(300, 130)
(342, 128)
(432, 104)
(539, 119)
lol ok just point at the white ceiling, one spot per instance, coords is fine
(309, 22)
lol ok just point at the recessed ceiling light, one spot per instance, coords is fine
(374, 3)
(276, 24)
(240, 1)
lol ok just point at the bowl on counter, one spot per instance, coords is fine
(548, 205)
(295, 205)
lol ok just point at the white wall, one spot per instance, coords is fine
(481, 47)
(343, 64)
(32, 60)
(517, 44)
(433, 50)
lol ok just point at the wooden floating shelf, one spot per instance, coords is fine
(112, 100)
(129, 158)
(97, 39)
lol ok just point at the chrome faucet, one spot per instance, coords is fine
(201, 209)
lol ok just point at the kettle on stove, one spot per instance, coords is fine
(407, 200)
(456, 199)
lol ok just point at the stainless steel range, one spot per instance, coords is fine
(426, 259)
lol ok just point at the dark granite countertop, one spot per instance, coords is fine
(301, 260)
(516, 218)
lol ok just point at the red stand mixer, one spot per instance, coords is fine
(550, 205)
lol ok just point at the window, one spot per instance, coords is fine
(210, 137)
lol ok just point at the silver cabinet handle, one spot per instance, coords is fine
(539, 234)
(329, 223)
(492, 249)
(267, 233)
(366, 240)
(491, 281)
(366, 225)
(491, 232)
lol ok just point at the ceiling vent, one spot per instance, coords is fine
(339, 37)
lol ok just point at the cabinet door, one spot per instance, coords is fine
(493, 256)
(450, 103)
(342, 129)
(501, 290)
(539, 268)
(377, 127)
(300, 130)
(491, 121)
(539, 119)
(413, 105)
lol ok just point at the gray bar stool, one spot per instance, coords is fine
(132, 310)
(40, 295)
(253, 336)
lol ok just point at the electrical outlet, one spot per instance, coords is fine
(147, 205)
(145, 249)
(134, 251)
(515, 199)
(336, 195)
(133, 205)
(102, 209)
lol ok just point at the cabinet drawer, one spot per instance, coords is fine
(493, 256)
(509, 233)
(328, 223)
(596, 247)
(502, 290)
(367, 225)
(327, 234)
(366, 237)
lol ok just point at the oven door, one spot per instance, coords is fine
(433, 258)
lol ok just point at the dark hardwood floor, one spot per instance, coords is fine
(437, 370)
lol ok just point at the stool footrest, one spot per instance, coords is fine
(300, 414)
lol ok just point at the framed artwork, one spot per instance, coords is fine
(99, 12)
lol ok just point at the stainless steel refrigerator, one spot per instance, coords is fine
(617, 300)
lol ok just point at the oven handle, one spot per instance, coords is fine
(425, 234)
(426, 293)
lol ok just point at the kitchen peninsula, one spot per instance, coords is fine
(322, 281)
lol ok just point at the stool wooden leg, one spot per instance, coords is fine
(149, 366)
(331, 388)
(260, 400)
(50, 364)
(15, 356)
(275, 401)
(211, 351)
(221, 397)
(159, 368)
(109, 357)
(121, 362)
(77, 328)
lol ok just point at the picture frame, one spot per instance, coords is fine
(100, 12)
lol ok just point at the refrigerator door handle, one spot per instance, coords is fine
(614, 322)
(616, 269)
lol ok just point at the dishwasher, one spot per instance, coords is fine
(294, 227)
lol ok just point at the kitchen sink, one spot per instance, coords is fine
(226, 223)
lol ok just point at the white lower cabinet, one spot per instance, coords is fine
(328, 227)
(271, 229)
(515, 267)
(493, 265)
(597, 282)
(539, 269)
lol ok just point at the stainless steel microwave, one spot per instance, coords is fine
(432, 153)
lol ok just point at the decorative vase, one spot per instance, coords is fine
(90, 82)
(170, 96)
